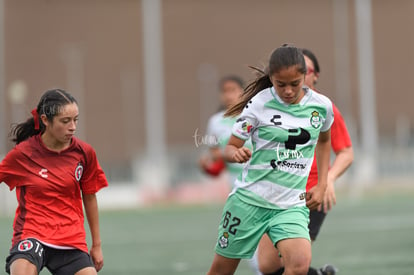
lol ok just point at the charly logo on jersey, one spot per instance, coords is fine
(43, 173)
(25, 245)
(315, 120)
(79, 171)
(224, 240)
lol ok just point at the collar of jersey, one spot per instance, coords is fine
(39, 139)
(306, 89)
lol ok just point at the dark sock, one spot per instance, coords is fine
(279, 272)
(312, 271)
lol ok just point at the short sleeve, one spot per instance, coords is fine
(340, 138)
(329, 119)
(93, 178)
(11, 172)
(247, 122)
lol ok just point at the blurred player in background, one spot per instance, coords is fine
(269, 260)
(53, 172)
(219, 129)
(287, 123)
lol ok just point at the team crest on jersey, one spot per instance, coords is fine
(25, 245)
(79, 171)
(224, 240)
(315, 120)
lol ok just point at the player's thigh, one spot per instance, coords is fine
(223, 266)
(87, 271)
(22, 267)
(268, 256)
(296, 254)
(25, 256)
(73, 261)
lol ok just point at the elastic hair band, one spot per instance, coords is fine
(36, 119)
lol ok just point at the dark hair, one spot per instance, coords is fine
(50, 104)
(313, 58)
(283, 57)
(231, 78)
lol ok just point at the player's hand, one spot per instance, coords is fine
(242, 154)
(314, 197)
(329, 199)
(97, 257)
(204, 161)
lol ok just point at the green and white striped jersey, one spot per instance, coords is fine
(284, 137)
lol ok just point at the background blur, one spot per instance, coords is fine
(146, 72)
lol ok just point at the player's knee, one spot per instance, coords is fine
(299, 268)
(87, 271)
(22, 267)
(221, 272)
(268, 267)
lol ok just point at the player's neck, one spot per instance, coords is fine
(53, 144)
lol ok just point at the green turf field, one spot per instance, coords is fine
(370, 236)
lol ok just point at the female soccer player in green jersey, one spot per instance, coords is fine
(287, 123)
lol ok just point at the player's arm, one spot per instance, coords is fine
(315, 196)
(91, 209)
(235, 151)
(212, 163)
(343, 160)
(213, 154)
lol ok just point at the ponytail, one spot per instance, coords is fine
(262, 82)
(24, 130)
(50, 105)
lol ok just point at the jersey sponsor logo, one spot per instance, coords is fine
(244, 127)
(43, 173)
(315, 120)
(294, 138)
(79, 171)
(25, 245)
(286, 165)
(288, 154)
(247, 127)
(282, 162)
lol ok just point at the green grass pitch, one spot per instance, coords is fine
(373, 235)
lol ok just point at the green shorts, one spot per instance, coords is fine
(243, 225)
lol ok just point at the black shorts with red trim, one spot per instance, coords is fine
(57, 261)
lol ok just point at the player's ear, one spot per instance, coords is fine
(44, 120)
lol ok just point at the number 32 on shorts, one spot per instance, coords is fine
(231, 223)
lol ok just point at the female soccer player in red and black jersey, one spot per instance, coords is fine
(53, 172)
(269, 261)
